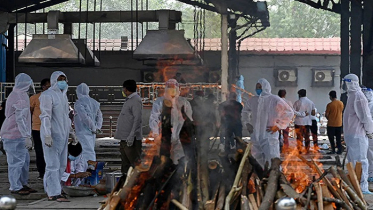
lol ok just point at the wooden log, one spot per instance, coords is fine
(326, 194)
(313, 205)
(185, 196)
(210, 204)
(334, 200)
(358, 170)
(344, 177)
(244, 203)
(270, 193)
(179, 205)
(320, 205)
(339, 190)
(327, 182)
(235, 187)
(355, 182)
(353, 195)
(221, 197)
(253, 202)
(245, 176)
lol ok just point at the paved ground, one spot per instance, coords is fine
(107, 150)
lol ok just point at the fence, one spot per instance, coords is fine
(113, 94)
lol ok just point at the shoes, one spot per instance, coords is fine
(20, 192)
(367, 192)
(370, 179)
(27, 188)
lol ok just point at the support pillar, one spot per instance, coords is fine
(232, 72)
(356, 22)
(368, 43)
(224, 53)
(10, 55)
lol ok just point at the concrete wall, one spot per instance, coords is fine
(117, 66)
(254, 67)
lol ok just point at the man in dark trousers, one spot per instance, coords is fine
(129, 126)
(333, 113)
(231, 125)
(35, 113)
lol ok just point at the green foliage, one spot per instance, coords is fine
(292, 19)
(288, 18)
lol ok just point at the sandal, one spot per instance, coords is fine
(20, 192)
(27, 188)
(58, 198)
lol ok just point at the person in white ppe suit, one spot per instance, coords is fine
(87, 121)
(357, 127)
(54, 132)
(269, 114)
(16, 135)
(368, 92)
(172, 94)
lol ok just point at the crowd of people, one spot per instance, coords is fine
(65, 142)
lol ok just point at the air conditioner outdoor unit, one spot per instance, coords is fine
(150, 76)
(286, 76)
(323, 77)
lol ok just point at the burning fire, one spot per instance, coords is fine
(297, 172)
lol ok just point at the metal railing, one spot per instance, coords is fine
(149, 92)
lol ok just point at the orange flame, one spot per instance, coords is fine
(297, 172)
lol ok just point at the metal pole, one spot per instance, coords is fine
(345, 42)
(356, 21)
(111, 126)
(368, 43)
(224, 53)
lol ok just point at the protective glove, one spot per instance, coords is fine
(98, 131)
(75, 139)
(250, 128)
(48, 141)
(370, 135)
(130, 141)
(28, 143)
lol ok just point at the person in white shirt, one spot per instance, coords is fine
(75, 170)
(302, 124)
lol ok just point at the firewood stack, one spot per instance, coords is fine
(250, 188)
(209, 180)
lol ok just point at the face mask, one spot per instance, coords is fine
(258, 91)
(124, 95)
(62, 85)
(171, 92)
(72, 158)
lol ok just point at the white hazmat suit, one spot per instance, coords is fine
(357, 124)
(55, 127)
(16, 132)
(267, 110)
(369, 95)
(87, 121)
(177, 119)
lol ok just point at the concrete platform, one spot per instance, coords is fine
(90, 202)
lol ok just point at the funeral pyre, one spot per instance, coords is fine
(208, 179)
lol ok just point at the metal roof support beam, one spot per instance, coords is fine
(97, 17)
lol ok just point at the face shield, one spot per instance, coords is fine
(344, 85)
(31, 90)
(172, 88)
